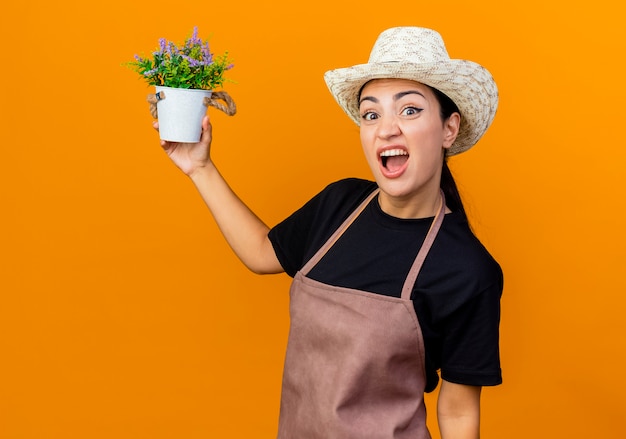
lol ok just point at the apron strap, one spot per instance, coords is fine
(335, 236)
(407, 289)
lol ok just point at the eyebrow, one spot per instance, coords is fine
(396, 97)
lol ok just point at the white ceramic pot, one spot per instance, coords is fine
(180, 113)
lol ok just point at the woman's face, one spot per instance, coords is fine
(404, 140)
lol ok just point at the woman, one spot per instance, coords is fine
(390, 284)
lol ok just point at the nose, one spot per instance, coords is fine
(388, 127)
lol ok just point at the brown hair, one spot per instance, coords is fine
(448, 185)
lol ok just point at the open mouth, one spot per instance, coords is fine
(394, 159)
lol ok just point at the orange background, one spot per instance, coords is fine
(123, 314)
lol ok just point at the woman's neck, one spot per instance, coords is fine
(422, 205)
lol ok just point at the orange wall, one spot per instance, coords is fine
(122, 312)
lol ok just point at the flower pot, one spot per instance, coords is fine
(180, 113)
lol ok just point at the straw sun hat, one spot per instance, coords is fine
(420, 55)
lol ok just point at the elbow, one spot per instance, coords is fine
(261, 270)
(264, 266)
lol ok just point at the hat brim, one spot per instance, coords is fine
(470, 86)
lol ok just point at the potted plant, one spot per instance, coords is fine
(186, 78)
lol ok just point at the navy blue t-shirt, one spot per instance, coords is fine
(456, 295)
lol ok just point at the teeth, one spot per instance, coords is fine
(393, 152)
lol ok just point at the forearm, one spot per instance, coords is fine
(244, 231)
(458, 411)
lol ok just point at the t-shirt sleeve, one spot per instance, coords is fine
(470, 351)
(290, 237)
(300, 235)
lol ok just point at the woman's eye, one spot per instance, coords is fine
(369, 115)
(411, 111)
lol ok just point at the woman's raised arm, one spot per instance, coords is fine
(244, 231)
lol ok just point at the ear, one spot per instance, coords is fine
(451, 129)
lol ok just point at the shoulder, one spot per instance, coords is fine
(336, 201)
(467, 253)
(458, 270)
(297, 237)
(346, 190)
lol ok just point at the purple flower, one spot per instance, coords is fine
(207, 56)
(192, 61)
(191, 64)
(194, 40)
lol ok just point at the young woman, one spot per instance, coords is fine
(390, 285)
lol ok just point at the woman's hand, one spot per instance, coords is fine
(190, 157)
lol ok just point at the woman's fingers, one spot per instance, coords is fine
(164, 143)
(207, 128)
